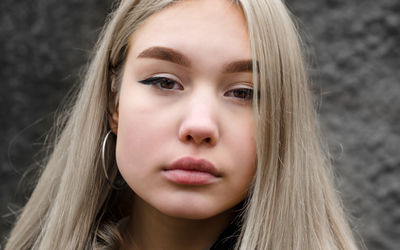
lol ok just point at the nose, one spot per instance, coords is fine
(199, 124)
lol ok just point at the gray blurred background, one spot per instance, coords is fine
(355, 51)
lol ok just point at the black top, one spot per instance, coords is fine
(229, 237)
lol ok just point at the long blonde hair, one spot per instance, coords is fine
(292, 203)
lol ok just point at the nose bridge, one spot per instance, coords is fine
(200, 124)
(201, 104)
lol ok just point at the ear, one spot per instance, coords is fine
(113, 108)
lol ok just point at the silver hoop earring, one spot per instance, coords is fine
(103, 161)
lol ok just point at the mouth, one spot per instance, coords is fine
(191, 171)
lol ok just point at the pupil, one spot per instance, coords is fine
(243, 93)
(165, 83)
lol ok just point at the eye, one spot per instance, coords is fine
(162, 83)
(245, 94)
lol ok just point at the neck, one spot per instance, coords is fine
(148, 228)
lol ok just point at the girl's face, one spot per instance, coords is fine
(185, 138)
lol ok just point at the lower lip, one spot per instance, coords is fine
(189, 177)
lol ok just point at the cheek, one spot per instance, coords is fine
(139, 139)
(130, 137)
(244, 156)
(243, 143)
(131, 140)
(247, 151)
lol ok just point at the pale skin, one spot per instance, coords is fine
(199, 106)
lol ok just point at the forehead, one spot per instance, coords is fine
(196, 28)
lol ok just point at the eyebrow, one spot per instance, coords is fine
(239, 66)
(165, 54)
(171, 55)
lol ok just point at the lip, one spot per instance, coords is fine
(191, 171)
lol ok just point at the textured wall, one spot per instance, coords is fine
(357, 49)
(355, 46)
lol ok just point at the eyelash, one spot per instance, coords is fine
(159, 81)
(243, 94)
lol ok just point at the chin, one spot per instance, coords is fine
(191, 210)
(190, 215)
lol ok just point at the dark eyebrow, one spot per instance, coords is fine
(166, 54)
(239, 66)
(171, 55)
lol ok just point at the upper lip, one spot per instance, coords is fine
(194, 164)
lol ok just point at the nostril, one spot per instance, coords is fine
(198, 139)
